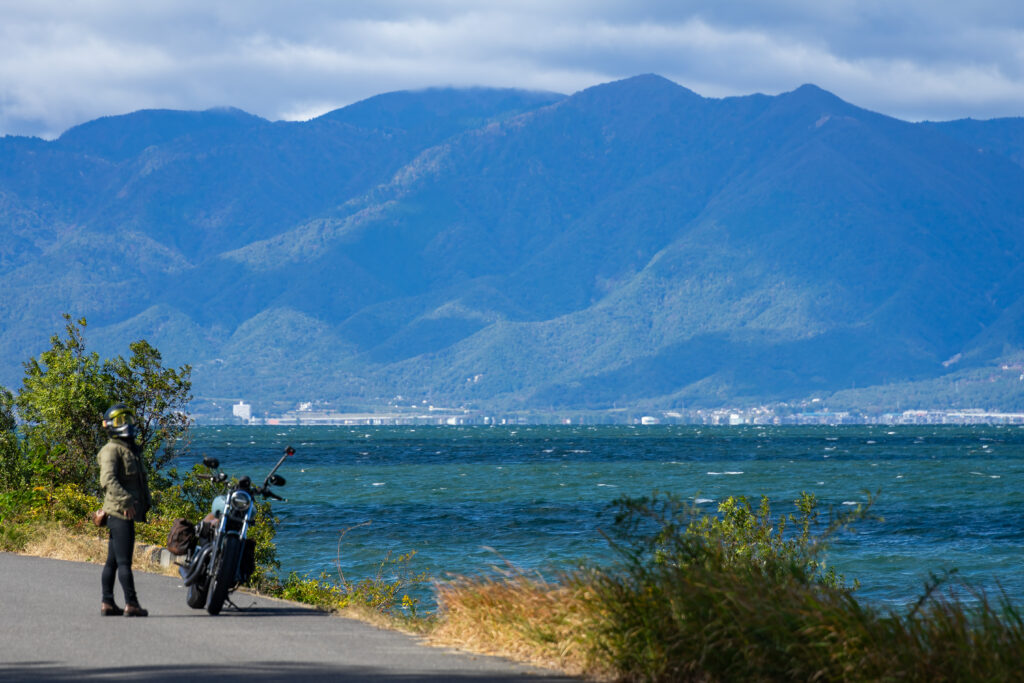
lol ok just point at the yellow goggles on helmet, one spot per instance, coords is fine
(121, 418)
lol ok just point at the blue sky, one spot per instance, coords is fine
(62, 63)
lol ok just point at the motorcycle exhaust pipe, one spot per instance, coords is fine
(193, 572)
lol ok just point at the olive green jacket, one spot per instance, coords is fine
(123, 480)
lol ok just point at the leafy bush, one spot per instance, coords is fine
(320, 592)
(70, 505)
(663, 530)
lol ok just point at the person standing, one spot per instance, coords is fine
(126, 500)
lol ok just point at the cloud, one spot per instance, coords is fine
(64, 63)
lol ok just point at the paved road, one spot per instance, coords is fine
(51, 630)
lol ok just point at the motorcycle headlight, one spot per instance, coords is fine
(240, 500)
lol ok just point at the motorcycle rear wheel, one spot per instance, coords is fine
(224, 572)
(195, 596)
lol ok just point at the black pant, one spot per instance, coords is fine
(119, 560)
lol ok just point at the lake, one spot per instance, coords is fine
(468, 498)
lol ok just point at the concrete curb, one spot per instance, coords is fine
(156, 554)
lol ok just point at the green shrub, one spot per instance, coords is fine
(14, 536)
(388, 590)
(320, 592)
(744, 596)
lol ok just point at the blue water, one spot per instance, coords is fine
(468, 498)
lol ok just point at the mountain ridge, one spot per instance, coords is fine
(631, 243)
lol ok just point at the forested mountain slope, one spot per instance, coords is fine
(633, 242)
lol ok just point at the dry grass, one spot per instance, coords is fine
(87, 545)
(61, 543)
(522, 618)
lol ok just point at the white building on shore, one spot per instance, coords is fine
(242, 410)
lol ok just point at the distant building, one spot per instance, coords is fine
(649, 420)
(242, 410)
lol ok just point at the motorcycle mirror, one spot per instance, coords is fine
(212, 463)
(289, 451)
(223, 477)
(276, 480)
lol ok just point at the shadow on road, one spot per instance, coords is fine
(256, 611)
(257, 671)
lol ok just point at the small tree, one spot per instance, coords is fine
(158, 396)
(61, 402)
(66, 391)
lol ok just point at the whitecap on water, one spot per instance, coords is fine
(718, 474)
(850, 502)
(614, 486)
(700, 501)
(379, 483)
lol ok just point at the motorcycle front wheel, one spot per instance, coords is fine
(224, 571)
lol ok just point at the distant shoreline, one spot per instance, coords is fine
(719, 417)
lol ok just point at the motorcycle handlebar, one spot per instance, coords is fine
(222, 477)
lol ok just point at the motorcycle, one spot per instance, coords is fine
(221, 557)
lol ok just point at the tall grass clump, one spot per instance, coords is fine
(949, 638)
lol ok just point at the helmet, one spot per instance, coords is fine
(119, 421)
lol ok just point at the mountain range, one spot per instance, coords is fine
(630, 244)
